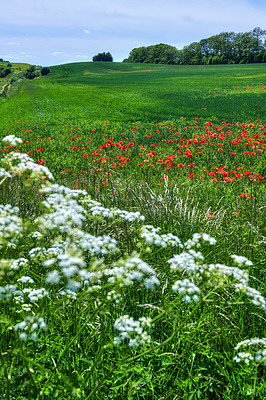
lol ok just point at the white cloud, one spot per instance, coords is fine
(87, 31)
(19, 57)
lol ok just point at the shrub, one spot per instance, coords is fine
(45, 71)
(103, 57)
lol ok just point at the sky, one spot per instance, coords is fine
(52, 32)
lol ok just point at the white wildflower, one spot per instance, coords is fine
(36, 235)
(95, 245)
(189, 262)
(3, 172)
(35, 294)
(151, 236)
(133, 330)
(254, 295)
(25, 279)
(238, 274)
(195, 241)
(29, 327)
(127, 271)
(12, 139)
(188, 289)
(128, 215)
(53, 277)
(17, 264)
(9, 291)
(240, 260)
(258, 349)
(10, 225)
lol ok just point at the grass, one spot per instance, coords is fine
(184, 146)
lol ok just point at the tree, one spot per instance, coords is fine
(5, 72)
(103, 57)
(155, 54)
(45, 71)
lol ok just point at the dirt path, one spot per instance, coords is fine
(5, 88)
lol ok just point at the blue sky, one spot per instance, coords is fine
(50, 32)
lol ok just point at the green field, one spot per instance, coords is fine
(185, 147)
(92, 92)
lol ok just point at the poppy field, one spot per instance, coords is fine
(133, 233)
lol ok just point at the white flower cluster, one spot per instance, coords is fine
(3, 172)
(192, 263)
(25, 279)
(18, 263)
(35, 294)
(66, 213)
(64, 190)
(9, 291)
(36, 235)
(12, 139)
(258, 356)
(70, 265)
(128, 215)
(10, 225)
(196, 237)
(43, 253)
(240, 260)
(37, 252)
(95, 208)
(53, 277)
(189, 262)
(113, 295)
(130, 270)
(95, 245)
(28, 328)
(133, 330)
(57, 248)
(151, 236)
(254, 294)
(237, 273)
(26, 163)
(188, 289)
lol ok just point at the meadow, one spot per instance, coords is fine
(133, 233)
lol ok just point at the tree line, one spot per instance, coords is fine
(224, 48)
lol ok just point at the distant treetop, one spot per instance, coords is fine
(224, 48)
(103, 57)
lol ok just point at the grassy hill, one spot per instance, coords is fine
(15, 66)
(136, 92)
